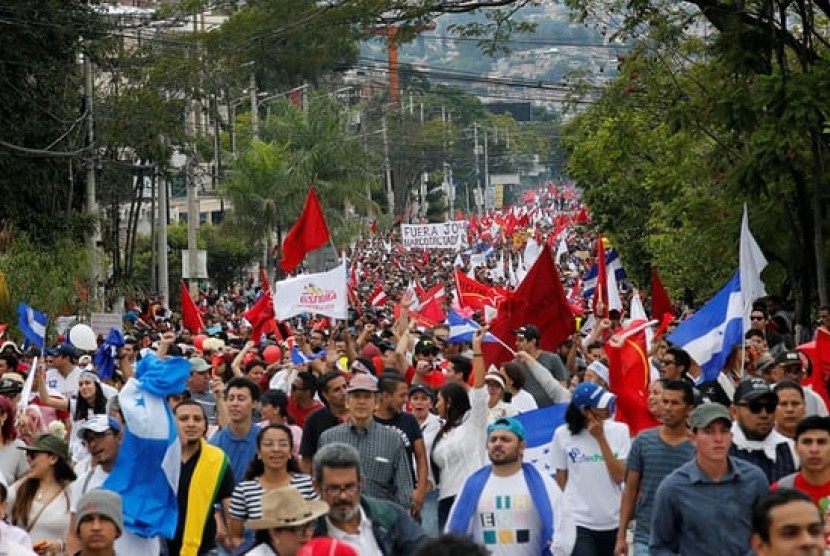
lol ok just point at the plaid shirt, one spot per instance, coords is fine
(383, 460)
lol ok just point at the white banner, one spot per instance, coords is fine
(323, 293)
(449, 235)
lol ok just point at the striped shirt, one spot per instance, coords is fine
(246, 501)
(653, 459)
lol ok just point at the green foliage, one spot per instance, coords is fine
(44, 278)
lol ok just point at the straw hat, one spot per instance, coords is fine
(285, 507)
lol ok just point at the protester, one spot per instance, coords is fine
(370, 525)
(13, 463)
(205, 480)
(40, 501)
(510, 491)
(273, 467)
(333, 390)
(711, 493)
(787, 522)
(588, 454)
(383, 455)
(99, 523)
(238, 439)
(458, 449)
(791, 408)
(654, 454)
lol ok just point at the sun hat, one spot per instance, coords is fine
(286, 507)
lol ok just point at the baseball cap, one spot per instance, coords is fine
(788, 358)
(385, 346)
(764, 363)
(104, 503)
(198, 365)
(600, 370)
(361, 382)
(507, 424)
(593, 396)
(752, 389)
(423, 388)
(528, 332)
(64, 350)
(706, 413)
(99, 423)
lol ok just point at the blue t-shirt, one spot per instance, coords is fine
(240, 451)
(653, 459)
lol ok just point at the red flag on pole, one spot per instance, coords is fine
(629, 373)
(310, 232)
(539, 300)
(191, 316)
(660, 302)
(819, 353)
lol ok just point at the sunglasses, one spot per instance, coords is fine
(755, 406)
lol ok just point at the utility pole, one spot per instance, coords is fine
(477, 152)
(486, 170)
(387, 166)
(92, 237)
(192, 231)
(254, 105)
(163, 278)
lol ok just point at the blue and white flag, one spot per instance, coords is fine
(300, 358)
(709, 334)
(33, 324)
(612, 264)
(146, 473)
(462, 330)
(540, 424)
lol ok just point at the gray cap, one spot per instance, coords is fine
(705, 414)
(104, 503)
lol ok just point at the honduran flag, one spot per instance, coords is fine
(612, 263)
(146, 473)
(540, 424)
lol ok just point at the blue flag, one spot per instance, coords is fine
(33, 324)
(612, 264)
(300, 358)
(540, 425)
(462, 330)
(709, 334)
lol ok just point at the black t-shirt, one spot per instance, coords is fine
(407, 426)
(225, 490)
(317, 423)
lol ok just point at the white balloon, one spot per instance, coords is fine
(83, 337)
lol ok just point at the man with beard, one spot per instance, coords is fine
(754, 438)
(510, 507)
(206, 479)
(373, 527)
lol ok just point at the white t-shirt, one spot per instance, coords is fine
(523, 401)
(594, 499)
(127, 543)
(68, 385)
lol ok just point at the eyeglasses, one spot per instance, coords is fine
(440, 339)
(92, 436)
(755, 317)
(337, 490)
(755, 406)
(666, 362)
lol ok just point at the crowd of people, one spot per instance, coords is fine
(386, 436)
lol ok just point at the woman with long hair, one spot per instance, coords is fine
(589, 453)
(40, 501)
(12, 461)
(459, 446)
(273, 467)
(286, 523)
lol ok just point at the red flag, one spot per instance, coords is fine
(539, 300)
(601, 289)
(582, 217)
(660, 302)
(378, 298)
(191, 317)
(630, 374)
(309, 232)
(474, 294)
(432, 311)
(374, 226)
(437, 293)
(261, 316)
(819, 354)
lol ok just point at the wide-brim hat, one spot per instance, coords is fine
(285, 507)
(50, 444)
